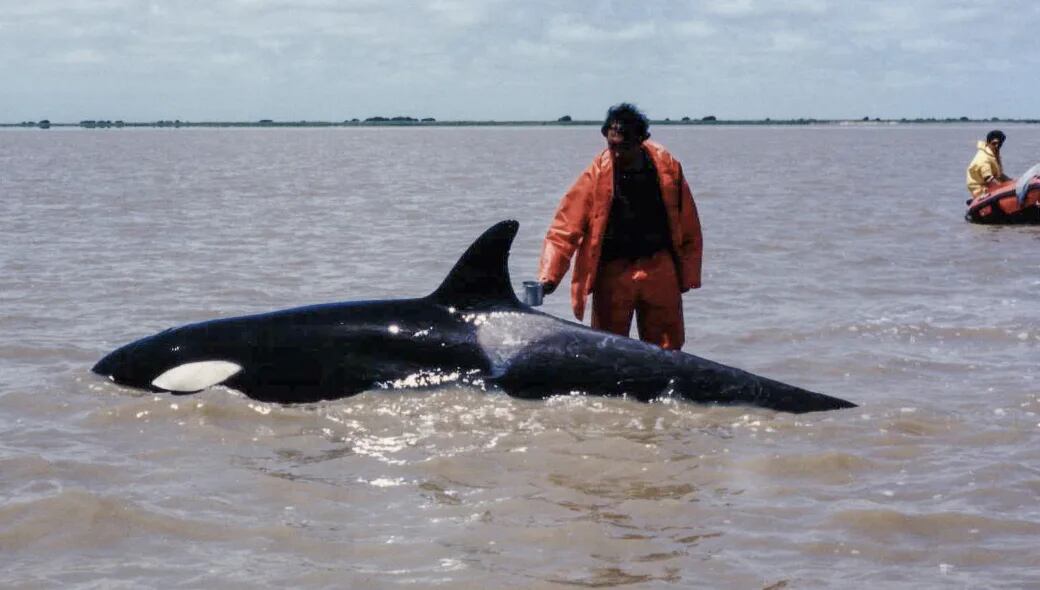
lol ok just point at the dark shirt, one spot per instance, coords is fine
(638, 223)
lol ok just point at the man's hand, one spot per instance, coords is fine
(548, 287)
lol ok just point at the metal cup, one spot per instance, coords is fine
(533, 293)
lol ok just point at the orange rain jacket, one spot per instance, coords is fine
(581, 221)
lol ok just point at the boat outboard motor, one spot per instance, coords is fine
(1022, 186)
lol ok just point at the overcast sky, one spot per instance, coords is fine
(140, 60)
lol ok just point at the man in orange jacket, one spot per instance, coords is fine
(631, 219)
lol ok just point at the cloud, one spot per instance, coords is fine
(81, 56)
(730, 8)
(493, 59)
(927, 45)
(458, 13)
(789, 42)
(696, 28)
(567, 29)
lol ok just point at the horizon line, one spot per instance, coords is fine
(407, 121)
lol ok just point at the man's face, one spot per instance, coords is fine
(623, 144)
(995, 144)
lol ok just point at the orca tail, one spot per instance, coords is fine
(709, 382)
(789, 398)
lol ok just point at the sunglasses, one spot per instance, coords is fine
(627, 135)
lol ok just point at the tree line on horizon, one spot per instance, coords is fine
(409, 120)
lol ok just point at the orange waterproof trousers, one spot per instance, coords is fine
(647, 287)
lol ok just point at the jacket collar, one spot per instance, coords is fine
(653, 149)
(983, 146)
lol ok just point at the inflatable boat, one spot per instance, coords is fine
(1009, 202)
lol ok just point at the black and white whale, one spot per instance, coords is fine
(471, 330)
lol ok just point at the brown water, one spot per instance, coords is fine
(836, 259)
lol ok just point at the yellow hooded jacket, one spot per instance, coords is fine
(984, 165)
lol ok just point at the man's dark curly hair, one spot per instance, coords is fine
(632, 122)
(996, 134)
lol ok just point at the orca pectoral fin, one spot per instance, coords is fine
(534, 389)
(298, 381)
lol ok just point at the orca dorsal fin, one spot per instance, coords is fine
(481, 276)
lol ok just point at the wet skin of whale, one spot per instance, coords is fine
(472, 329)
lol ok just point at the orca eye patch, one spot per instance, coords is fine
(196, 376)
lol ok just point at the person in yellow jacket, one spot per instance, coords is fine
(631, 219)
(985, 168)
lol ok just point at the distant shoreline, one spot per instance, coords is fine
(429, 122)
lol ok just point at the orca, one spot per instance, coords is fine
(471, 330)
